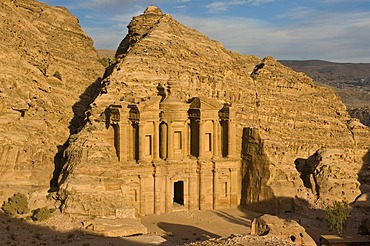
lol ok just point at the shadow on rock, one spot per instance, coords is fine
(18, 232)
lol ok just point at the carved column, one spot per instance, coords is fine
(163, 141)
(167, 193)
(200, 186)
(189, 137)
(232, 138)
(219, 136)
(157, 193)
(141, 141)
(234, 187)
(117, 140)
(123, 141)
(201, 139)
(215, 187)
(185, 143)
(131, 142)
(216, 140)
(155, 141)
(170, 141)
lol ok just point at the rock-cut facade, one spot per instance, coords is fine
(177, 154)
(182, 123)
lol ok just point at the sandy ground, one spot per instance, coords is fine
(188, 226)
(176, 228)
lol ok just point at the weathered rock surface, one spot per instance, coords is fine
(281, 116)
(46, 63)
(349, 80)
(116, 227)
(288, 230)
(245, 241)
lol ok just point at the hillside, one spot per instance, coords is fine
(47, 65)
(350, 80)
(284, 123)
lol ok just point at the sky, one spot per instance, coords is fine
(332, 30)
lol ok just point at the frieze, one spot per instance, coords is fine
(174, 116)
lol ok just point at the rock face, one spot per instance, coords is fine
(278, 119)
(47, 62)
(288, 230)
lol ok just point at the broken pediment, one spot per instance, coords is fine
(203, 103)
(150, 104)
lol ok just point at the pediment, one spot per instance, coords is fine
(150, 104)
(204, 103)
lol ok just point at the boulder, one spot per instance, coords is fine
(281, 228)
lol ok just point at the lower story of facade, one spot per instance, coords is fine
(190, 185)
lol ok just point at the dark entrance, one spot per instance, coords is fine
(178, 192)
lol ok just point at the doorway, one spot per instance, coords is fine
(178, 192)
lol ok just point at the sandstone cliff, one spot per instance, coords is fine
(284, 122)
(46, 63)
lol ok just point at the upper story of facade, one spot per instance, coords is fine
(165, 127)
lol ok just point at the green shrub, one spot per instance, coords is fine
(17, 204)
(105, 61)
(57, 75)
(41, 214)
(337, 215)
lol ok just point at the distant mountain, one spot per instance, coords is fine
(106, 53)
(350, 80)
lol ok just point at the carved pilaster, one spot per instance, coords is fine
(163, 141)
(156, 140)
(170, 141)
(131, 142)
(215, 187)
(141, 141)
(232, 138)
(216, 139)
(201, 139)
(185, 141)
(123, 141)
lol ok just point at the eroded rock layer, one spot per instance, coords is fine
(46, 63)
(281, 116)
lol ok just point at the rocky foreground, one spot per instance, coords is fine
(244, 240)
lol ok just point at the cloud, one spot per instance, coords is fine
(222, 6)
(111, 4)
(181, 7)
(335, 37)
(290, 33)
(298, 13)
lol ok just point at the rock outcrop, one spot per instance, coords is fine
(288, 230)
(282, 117)
(48, 66)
